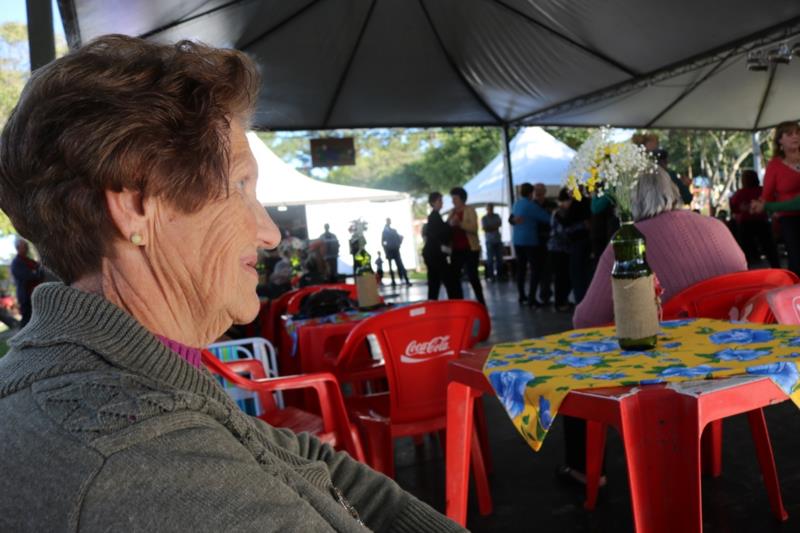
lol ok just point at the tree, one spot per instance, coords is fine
(717, 155)
(412, 160)
(572, 137)
(13, 66)
(14, 72)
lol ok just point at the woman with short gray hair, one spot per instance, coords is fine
(683, 248)
(655, 193)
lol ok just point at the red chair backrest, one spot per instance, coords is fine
(785, 304)
(293, 306)
(233, 371)
(277, 308)
(725, 297)
(416, 343)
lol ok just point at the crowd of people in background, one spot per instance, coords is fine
(557, 246)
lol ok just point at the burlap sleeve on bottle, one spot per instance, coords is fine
(367, 289)
(635, 307)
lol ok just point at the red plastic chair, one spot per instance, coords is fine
(293, 307)
(725, 297)
(416, 343)
(785, 304)
(332, 426)
(736, 296)
(272, 323)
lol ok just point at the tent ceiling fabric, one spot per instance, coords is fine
(373, 63)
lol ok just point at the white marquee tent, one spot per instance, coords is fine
(328, 203)
(536, 157)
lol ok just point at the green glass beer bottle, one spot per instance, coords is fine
(633, 283)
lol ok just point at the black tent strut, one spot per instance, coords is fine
(772, 68)
(349, 63)
(777, 32)
(272, 29)
(686, 92)
(455, 68)
(592, 52)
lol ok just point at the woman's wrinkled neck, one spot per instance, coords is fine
(159, 307)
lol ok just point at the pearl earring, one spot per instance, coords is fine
(136, 239)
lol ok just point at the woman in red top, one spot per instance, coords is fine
(782, 182)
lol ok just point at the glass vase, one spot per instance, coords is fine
(633, 284)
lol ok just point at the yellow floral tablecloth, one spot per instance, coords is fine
(532, 377)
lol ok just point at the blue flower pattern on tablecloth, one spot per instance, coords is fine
(690, 372)
(732, 354)
(607, 376)
(741, 336)
(495, 363)
(784, 374)
(545, 416)
(634, 353)
(536, 375)
(578, 361)
(510, 388)
(599, 346)
(669, 324)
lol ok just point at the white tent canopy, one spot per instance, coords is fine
(536, 157)
(337, 205)
(280, 184)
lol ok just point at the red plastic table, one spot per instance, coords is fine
(660, 427)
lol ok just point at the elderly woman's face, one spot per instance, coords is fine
(213, 252)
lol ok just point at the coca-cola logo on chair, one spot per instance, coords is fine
(419, 352)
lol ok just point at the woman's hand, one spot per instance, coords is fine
(757, 206)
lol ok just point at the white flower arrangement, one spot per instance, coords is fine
(608, 167)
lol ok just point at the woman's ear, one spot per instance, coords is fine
(127, 211)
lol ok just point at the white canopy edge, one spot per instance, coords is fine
(280, 184)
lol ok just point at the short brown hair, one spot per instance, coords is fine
(782, 128)
(118, 113)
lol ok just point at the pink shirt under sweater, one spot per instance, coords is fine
(187, 353)
(683, 248)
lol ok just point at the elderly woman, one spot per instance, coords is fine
(126, 164)
(683, 248)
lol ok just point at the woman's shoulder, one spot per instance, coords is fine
(681, 223)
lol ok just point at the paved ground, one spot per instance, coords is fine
(527, 496)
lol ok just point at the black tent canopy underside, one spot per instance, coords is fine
(378, 63)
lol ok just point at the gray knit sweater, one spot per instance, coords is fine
(102, 428)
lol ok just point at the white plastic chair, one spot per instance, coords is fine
(251, 348)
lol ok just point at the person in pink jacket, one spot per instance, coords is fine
(683, 248)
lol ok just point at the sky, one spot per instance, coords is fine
(14, 11)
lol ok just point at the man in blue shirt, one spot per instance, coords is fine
(526, 215)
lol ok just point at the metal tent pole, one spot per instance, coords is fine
(757, 165)
(509, 177)
(41, 40)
